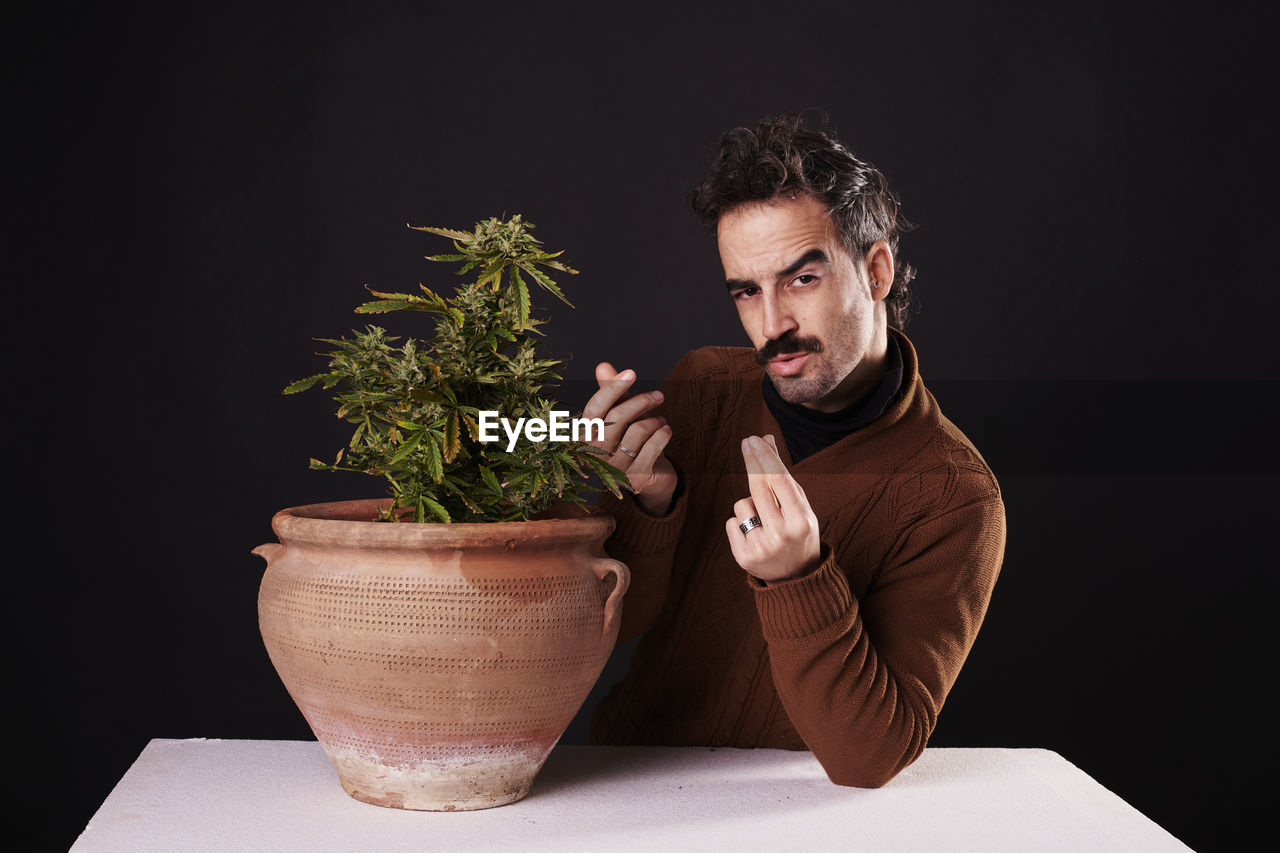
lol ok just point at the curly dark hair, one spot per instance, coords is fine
(782, 157)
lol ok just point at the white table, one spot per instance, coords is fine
(254, 795)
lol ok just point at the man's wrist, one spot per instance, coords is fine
(654, 507)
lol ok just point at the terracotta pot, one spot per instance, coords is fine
(438, 664)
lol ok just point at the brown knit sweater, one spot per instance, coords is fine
(852, 661)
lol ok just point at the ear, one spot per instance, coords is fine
(879, 267)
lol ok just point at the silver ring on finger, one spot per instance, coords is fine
(750, 524)
(622, 448)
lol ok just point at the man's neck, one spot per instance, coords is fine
(866, 373)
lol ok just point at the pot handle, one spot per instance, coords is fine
(603, 567)
(268, 551)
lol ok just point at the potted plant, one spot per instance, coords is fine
(440, 640)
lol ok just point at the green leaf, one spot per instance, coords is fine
(545, 281)
(605, 471)
(471, 505)
(304, 384)
(490, 480)
(522, 298)
(444, 232)
(382, 306)
(452, 442)
(473, 428)
(492, 275)
(355, 437)
(436, 509)
(407, 447)
(434, 465)
(423, 395)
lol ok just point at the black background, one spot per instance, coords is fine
(196, 193)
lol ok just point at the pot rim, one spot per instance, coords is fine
(340, 523)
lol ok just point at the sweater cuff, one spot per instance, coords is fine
(639, 532)
(803, 606)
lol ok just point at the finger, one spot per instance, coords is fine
(785, 489)
(605, 372)
(647, 455)
(623, 414)
(747, 547)
(737, 543)
(758, 478)
(744, 548)
(622, 417)
(634, 440)
(772, 443)
(611, 390)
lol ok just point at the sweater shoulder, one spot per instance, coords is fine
(714, 361)
(715, 377)
(947, 472)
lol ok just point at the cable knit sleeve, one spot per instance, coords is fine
(863, 679)
(646, 543)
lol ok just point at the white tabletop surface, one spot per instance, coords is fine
(255, 795)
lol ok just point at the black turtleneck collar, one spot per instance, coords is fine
(807, 431)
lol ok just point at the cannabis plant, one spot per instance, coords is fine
(415, 404)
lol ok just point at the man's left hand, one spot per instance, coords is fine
(787, 543)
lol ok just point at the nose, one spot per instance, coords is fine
(777, 317)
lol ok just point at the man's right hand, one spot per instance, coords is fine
(635, 445)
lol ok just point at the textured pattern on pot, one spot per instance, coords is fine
(438, 664)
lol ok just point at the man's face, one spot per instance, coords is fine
(807, 306)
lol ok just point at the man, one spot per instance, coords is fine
(812, 544)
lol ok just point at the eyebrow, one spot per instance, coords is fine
(809, 257)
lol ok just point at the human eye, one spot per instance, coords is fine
(805, 279)
(745, 293)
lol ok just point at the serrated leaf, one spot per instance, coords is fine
(473, 428)
(444, 232)
(606, 476)
(471, 505)
(522, 299)
(382, 306)
(557, 475)
(407, 447)
(452, 442)
(490, 480)
(434, 466)
(360, 429)
(492, 276)
(303, 384)
(545, 281)
(423, 395)
(436, 509)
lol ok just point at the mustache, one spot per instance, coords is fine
(786, 345)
